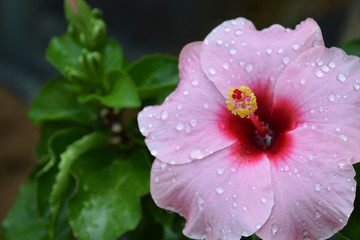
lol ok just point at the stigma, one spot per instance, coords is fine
(241, 101)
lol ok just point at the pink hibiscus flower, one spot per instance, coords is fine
(259, 136)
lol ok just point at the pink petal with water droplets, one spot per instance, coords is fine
(236, 54)
(186, 126)
(324, 86)
(314, 188)
(220, 196)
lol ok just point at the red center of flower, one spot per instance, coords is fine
(260, 132)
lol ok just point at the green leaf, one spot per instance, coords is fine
(22, 221)
(56, 102)
(121, 92)
(107, 202)
(114, 57)
(351, 47)
(154, 75)
(63, 52)
(45, 177)
(62, 184)
(85, 24)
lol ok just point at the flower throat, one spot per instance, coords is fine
(242, 102)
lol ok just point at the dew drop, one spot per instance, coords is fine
(220, 171)
(153, 152)
(219, 41)
(319, 74)
(258, 226)
(186, 92)
(226, 65)
(274, 229)
(356, 86)
(195, 82)
(238, 32)
(341, 77)
(164, 115)
(263, 200)
(212, 71)
(232, 51)
(286, 60)
(341, 164)
(193, 122)
(325, 68)
(332, 64)
(302, 81)
(317, 215)
(269, 51)
(179, 126)
(317, 186)
(343, 137)
(179, 106)
(245, 208)
(296, 46)
(156, 179)
(206, 105)
(331, 98)
(196, 154)
(234, 204)
(219, 190)
(249, 67)
(227, 29)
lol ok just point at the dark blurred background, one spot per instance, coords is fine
(142, 27)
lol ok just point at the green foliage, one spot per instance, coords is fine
(121, 92)
(23, 219)
(106, 209)
(156, 76)
(351, 47)
(56, 102)
(92, 177)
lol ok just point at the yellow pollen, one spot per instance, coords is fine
(241, 101)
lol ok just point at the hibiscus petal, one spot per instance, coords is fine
(179, 130)
(235, 53)
(313, 187)
(220, 196)
(324, 87)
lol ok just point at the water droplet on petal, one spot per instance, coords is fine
(156, 179)
(317, 215)
(238, 32)
(226, 65)
(317, 186)
(319, 74)
(153, 152)
(164, 115)
(212, 71)
(245, 208)
(296, 46)
(232, 51)
(341, 77)
(220, 171)
(206, 105)
(263, 200)
(196, 154)
(258, 226)
(269, 51)
(331, 98)
(341, 164)
(332, 64)
(219, 41)
(179, 126)
(343, 137)
(274, 229)
(193, 122)
(286, 60)
(219, 190)
(195, 82)
(356, 86)
(302, 81)
(249, 67)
